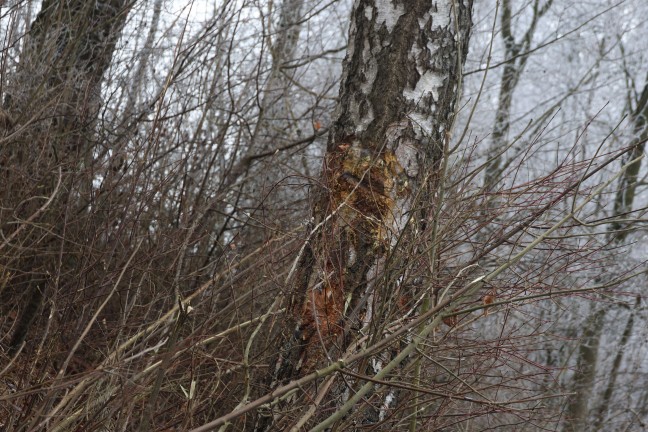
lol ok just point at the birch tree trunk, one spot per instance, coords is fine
(401, 80)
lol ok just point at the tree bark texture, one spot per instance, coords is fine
(400, 83)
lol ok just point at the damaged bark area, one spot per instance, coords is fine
(359, 203)
(400, 83)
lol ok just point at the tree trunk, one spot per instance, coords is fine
(624, 199)
(516, 56)
(619, 228)
(53, 99)
(69, 48)
(578, 407)
(604, 405)
(400, 83)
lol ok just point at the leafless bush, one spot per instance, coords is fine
(182, 249)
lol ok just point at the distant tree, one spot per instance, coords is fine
(516, 56)
(53, 98)
(623, 222)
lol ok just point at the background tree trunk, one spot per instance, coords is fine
(516, 55)
(588, 359)
(53, 99)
